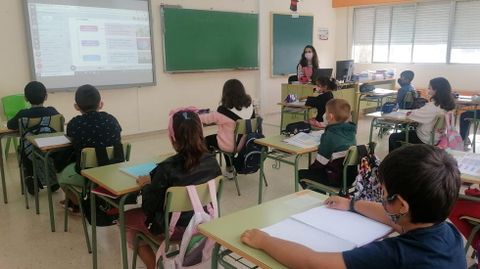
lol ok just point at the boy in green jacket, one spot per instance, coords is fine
(339, 136)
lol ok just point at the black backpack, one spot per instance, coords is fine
(247, 160)
(41, 128)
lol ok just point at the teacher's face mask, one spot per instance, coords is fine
(309, 55)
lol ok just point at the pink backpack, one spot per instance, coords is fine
(195, 249)
(451, 139)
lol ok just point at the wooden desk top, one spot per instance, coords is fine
(5, 131)
(294, 105)
(276, 142)
(465, 101)
(32, 140)
(227, 230)
(392, 117)
(115, 181)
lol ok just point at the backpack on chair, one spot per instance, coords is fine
(195, 249)
(247, 160)
(367, 186)
(451, 139)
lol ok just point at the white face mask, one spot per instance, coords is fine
(431, 92)
(309, 55)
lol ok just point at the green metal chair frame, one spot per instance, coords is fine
(476, 122)
(11, 105)
(351, 159)
(56, 122)
(176, 200)
(88, 159)
(437, 126)
(240, 129)
(476, 228)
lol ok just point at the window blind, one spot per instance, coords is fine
(381, 42)
(466, 33)
(403, 21)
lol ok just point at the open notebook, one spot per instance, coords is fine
(52, 141)
(468, 163)
(329, 230)
(304, 140)
(136, 171)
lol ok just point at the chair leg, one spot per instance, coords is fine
(471, 236)
(265, 180)
(235, 178)
(24, 186)
(65, 215)
(84, 223)
(7, 147)
(135, 251)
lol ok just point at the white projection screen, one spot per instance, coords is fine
(106, 43)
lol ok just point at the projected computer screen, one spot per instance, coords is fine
(103, 43)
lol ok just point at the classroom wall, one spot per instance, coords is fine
(324, 16)
(461, 76)
(138, 109)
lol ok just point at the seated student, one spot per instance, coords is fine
(405, 82)
(93, 128)
(325, 86)
(36, 94)
(338, 137)
(465, 125)
(192, 165)
(421, 184)
(236, 104)
(441, 102)
(467, 208)
(307, 65)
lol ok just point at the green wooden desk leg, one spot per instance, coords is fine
(49, 191)
(93, 212)
(372, 123)
(2, 171)
(215, 254)
(296, 172)
(123, 240)
(261, 174)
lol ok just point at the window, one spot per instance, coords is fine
(425, 32)
(466, 33)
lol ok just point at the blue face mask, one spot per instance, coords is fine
(394, 217)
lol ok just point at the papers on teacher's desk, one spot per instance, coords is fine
(52, 141)
(329, 230)
(468, 163)
(304, 140)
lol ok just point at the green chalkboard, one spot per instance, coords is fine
(198, 40)
(290, 36)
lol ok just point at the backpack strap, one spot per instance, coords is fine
(248, 126)
(102, 156)
(228, 113)
(362, 152)
(196, 204)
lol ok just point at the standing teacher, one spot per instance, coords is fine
(307, 65)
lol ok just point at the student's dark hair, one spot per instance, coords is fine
(234, 95)
(87, 98)
(304, 62)
(330, 83)
(426, 177)
(443, 93)
(189, 141)
(408, 75)
(35, 92)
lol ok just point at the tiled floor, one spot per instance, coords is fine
(26, 240)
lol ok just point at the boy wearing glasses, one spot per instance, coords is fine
(421, 184)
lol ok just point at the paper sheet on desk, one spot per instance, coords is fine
(346, 225)
(300, 233)
(469, 164)
(304, 140)
(52, 141)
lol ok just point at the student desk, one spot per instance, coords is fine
(381, 120)
(466, 101)
(226, 231)
(274, 148)
(293, 108)
(119, 184)
(43, 154)
(5, 132)
(376, 95)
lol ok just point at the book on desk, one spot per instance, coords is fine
(329, 230)
(52, 141)
(139, 170)
(305, 140)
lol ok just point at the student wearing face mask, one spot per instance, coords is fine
(307, 65)
(441, 102)
(324, 88)
(339, 136)
(420, 184)
(405, 82)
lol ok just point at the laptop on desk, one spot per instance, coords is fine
(322, 73)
